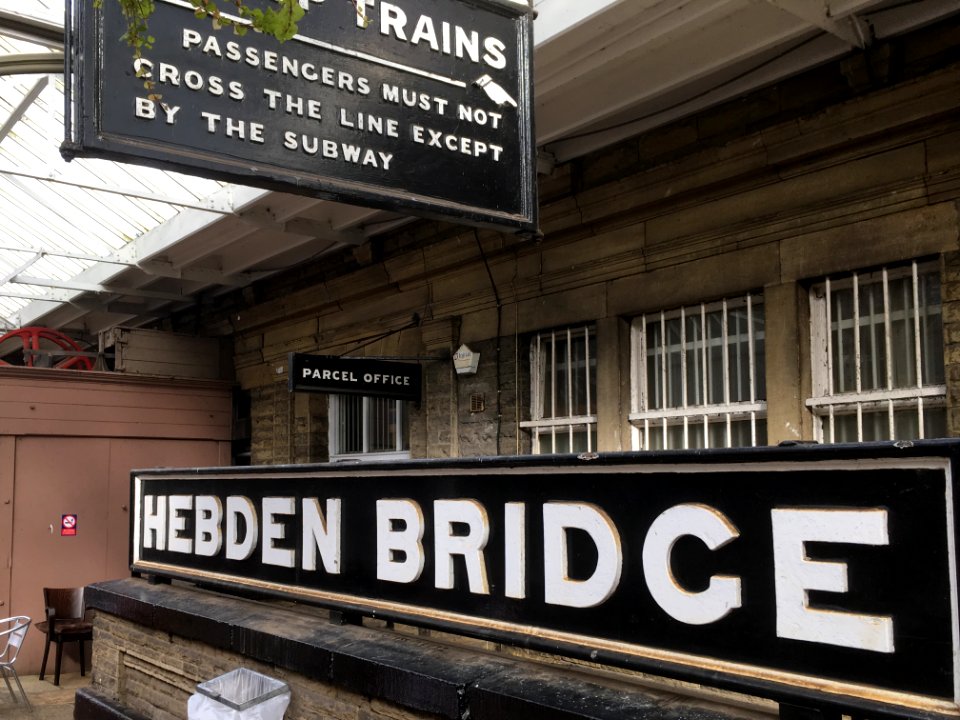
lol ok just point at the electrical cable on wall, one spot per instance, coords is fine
(496, 297)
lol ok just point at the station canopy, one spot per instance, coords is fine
(90, 244)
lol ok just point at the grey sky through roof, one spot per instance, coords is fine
(60, 217)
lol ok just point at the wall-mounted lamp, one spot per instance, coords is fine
(465, 361)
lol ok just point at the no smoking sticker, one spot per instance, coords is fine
(68, 525)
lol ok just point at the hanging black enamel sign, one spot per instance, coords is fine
(422, 106)
(824, 576)
(355, 376)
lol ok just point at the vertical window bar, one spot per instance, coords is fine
(704, 356)
(750, 351)
(917, 344)
(663, 432)
(638, 369)
(398, 425)
(569, 377)
(365, 424)
(829, 334)
(586, 363)
(921, 432)
(729, 430)
(726, 354)
(683, 358)
(887, 331)
(831, 424)
(706, 431)
(859, 422)
(753, 428)
(891, 428)
(858, 373)
(538, 408)
(876, 381)
(663, 366)
(646, 433)
(553, 375)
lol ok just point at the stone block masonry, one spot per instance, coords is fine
(153, 643)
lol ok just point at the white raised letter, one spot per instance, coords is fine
(470, 546)
(155, 522)
(709, 525)
(273, 530)
(795, 573)
(177, 540)
(399, 535)
(321, 532)
(207, 538)
(515, 550)
(558, 587)
(239, 506)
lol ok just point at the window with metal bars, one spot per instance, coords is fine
(564, 389)
(698, 376)
(877, 356)
(368, 428)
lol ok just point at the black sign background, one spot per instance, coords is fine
(910, 580)
(474, 186)
(356, 376)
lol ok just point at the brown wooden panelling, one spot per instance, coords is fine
(60, 402)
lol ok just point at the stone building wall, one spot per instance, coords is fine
(154, 673)
(851, 166)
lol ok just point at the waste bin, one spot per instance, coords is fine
(240, 694)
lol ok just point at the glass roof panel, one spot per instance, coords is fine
(50, 207)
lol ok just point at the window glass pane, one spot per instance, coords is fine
(935, 422)
(654, 399)
(931, 331)
(369, 425)
(695, 358)
(564, 367)
(741, 434)
(381, 425)
(759, 356)
(738, 340)
(693, 328)
(350, 424)
(841, 309)
(902, 317)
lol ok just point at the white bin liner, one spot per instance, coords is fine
(240, 694)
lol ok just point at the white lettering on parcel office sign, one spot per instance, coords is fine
(779, 571)
(354, 376)
(423, 106)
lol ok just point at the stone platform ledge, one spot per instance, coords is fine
(414, 673)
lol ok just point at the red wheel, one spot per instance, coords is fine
(43, 339)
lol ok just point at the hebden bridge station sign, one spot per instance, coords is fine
(823, 577)
(422, 106)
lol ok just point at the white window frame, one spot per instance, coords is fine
(826, 404)
(553, 421)
(647, 420)
(365, 455)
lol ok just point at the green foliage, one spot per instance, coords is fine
(280, 22)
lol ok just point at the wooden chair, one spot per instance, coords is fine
(64, 623)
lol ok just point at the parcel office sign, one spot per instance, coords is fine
(355, 376)
(819, 576)
(419, 105)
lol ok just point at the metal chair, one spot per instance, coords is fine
(64, 623)
(12, 632)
